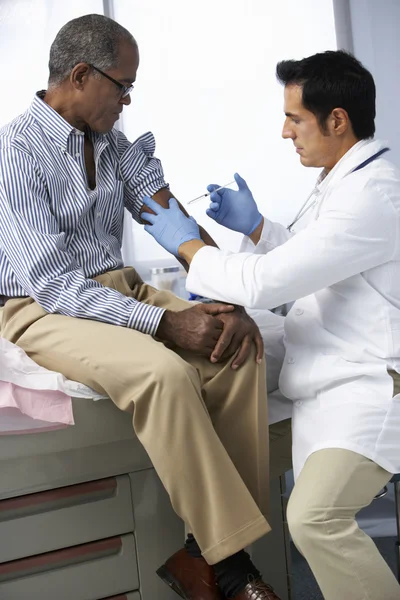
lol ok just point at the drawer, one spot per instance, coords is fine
(46, 521)
(101, 569)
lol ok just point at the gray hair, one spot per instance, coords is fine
(93, 39)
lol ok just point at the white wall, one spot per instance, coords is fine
(206, 87)
(27, 29)
(206, 84)
(376, 42)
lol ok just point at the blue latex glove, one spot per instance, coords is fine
(169, 226)
(234, 210)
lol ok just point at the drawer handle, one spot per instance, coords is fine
(60, 558)
(58, 498)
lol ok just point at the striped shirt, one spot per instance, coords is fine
(55, 233)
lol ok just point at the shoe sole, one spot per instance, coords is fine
(173, 583)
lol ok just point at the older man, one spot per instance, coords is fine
(65, 177)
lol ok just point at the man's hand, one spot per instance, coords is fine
(196, 328)
(239, 333)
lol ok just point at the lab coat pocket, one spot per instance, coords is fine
(339, 381)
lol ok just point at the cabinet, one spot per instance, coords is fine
(83, 515)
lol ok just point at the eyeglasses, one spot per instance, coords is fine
(125, 90)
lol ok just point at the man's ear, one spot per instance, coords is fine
(339, 121)
(80, 75)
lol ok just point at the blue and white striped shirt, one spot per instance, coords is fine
(56, 233)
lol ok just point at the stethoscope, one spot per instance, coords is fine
(307, 205)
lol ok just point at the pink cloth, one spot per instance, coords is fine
(43, 410)
(32, 398)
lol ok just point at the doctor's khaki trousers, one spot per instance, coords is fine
(203, 425)
(332, 487)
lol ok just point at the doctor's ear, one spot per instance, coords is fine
(340, 121)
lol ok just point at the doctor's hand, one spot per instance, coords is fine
(234, 210)
(169, 226)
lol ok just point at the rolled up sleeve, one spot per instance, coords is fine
(141, 172)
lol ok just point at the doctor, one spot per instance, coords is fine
(342, 335)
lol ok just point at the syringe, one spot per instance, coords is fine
(208, 193)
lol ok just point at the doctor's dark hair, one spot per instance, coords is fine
(334, 79)
(93, 39)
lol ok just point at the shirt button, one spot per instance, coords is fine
(77, 154)
(298, 403)
(299, 311)
(98, 215)
(290, 360)
(108, 246)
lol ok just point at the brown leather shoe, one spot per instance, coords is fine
(191, 578)
(257, 590)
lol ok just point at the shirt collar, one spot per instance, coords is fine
(357, 154)
(51, 122)
(56, 126)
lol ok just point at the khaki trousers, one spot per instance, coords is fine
(203, 425)
(332, 487)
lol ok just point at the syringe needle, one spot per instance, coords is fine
(208, 193)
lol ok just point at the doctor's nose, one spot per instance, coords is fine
(287, 132)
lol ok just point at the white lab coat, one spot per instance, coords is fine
(343, 332)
